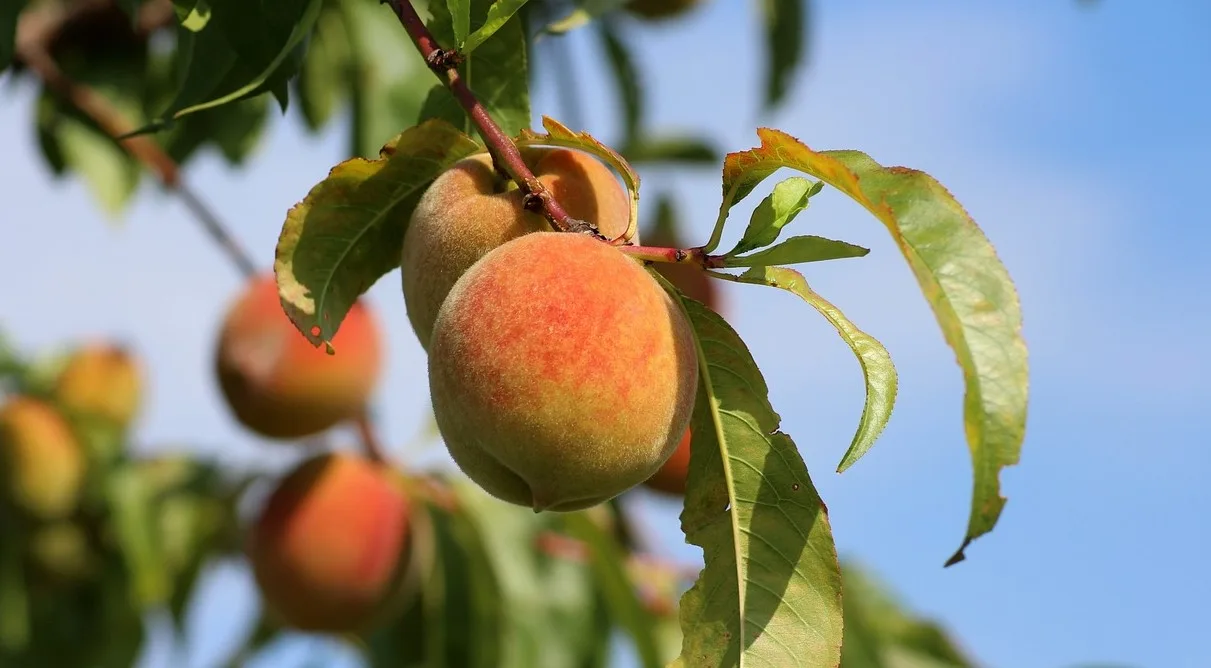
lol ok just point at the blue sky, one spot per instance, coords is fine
(1072, 134)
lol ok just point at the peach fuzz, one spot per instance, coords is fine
(471, 209)
(561, 373)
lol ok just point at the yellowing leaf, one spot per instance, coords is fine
(349, 229)
(970, 291)
(877, 368)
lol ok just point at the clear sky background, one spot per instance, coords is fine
(1075, 135)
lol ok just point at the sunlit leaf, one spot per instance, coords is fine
(770, 592)
(498, 14)
(193, 15)
(798, 250)
(877, 369)
(581, 15)
(777, 210)
(388, 80)
(969, 289)
(347, 232)
(497, 72)
(460, 19)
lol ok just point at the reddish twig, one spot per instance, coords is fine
(674, 255)
(505, 154)
(370, 441)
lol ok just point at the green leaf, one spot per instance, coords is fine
(460, 15)
(349, 229)
(193, 15)
(386, 77)
(236, 129)
(787, 23)
(776, 211)
(14, 599)
(626, 79)
(770, 592)
(497, 72)
(671, 148)
(108, 170)
(881, 633)
(798, 250)
(608, 565)
(135, 528)
(877, 368)
(322, 79)
(8, 30)
(499, 13)
(970, 291)
(582, 15)
(539, 607)
(244, 50)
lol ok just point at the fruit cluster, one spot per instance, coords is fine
(562, 374)
(45, 458)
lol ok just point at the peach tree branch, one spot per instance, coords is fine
(444, 63)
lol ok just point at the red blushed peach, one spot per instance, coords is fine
(281, 386)
(330, 544)
(471, 209)
(561, 373)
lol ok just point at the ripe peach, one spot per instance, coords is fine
(281, 386)
(671, 476)
(660, 9)
(330, 544)
(470, 209)
(101, 381)
(561, 373)
(42, 461)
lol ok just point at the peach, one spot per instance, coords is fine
(471, 209)
(41, 458)
(281, 386)
(561, 373)
(330, 544)
(101, 381)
